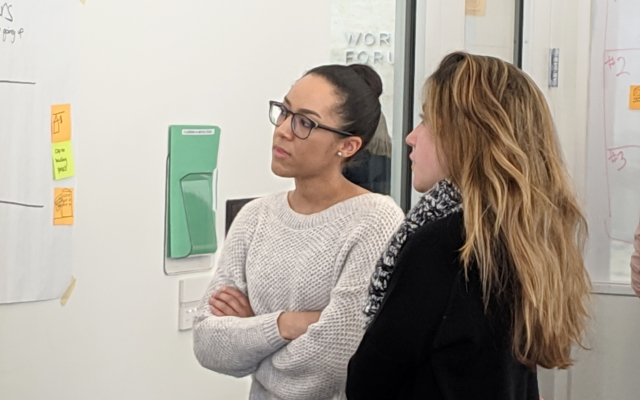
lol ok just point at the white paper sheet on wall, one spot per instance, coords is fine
(613, 164)
(37, 70)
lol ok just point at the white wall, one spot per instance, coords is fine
(492, 34)
(145, 65)
(609, 370)
(563, 24)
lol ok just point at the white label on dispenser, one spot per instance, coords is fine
(198, 132)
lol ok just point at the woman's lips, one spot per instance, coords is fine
(280, 152)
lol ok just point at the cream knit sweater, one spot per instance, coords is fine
(287, 261)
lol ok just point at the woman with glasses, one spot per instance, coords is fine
(284, 304)
(485, 280)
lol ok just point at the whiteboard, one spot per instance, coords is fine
(613, 159)
(37, 70)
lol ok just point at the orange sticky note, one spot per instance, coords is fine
(63, 206)
(475, 8)
(60, 123)
(634, 97)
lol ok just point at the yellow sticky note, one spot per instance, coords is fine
(60, 123)
(63, 206)
(475, 8)
(634, 98)
(63, 164)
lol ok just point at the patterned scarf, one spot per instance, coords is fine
(442, 200)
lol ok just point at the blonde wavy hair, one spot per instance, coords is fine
(524, 228)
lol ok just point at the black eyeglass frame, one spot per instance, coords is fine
(288, 113)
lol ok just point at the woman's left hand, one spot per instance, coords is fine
(230, 302)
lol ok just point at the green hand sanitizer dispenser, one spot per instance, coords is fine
(191, 188)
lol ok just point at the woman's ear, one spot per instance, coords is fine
(350, 146)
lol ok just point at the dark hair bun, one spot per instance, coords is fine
(370, 76)
(358, 87)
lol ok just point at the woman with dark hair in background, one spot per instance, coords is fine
(371, 167)
(284, 304)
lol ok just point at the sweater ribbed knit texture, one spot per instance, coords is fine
(285, 261)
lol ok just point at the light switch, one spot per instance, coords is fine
(187, 314)
(191, 292)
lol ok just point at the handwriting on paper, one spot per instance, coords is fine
(617, 157)
(60, 123)
(63, 163)
(619, 64)
(5, 12)
(10, 33)
(63, 206)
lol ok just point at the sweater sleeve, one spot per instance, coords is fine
(635, 263)
(406, 324)
(232, 345)
(314, 366)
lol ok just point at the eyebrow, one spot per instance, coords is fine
(302, 110)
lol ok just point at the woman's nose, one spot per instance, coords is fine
(410, 140)
(285, 130)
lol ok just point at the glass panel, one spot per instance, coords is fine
(363, 31)
(489, 28)
(613, 158)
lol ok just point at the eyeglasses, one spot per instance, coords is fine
(301, 125)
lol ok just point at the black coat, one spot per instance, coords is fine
(431, 338)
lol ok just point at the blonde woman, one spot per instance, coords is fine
(485, 279)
